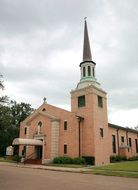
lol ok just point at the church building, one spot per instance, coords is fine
(84, 131)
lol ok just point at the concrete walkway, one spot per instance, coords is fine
(43, 167)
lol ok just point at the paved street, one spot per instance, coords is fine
(17, 178)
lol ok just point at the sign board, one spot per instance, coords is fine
(9, 151)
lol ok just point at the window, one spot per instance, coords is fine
(100, 101)
(136, 142)
(65, 125)
(93, 71)
(122, 139)
(24, 151)
(130, 143)
(25, 130)
(81, 101)
(101, 132)
(39, 127)
(40, 123)
(113, 143)
(89, 71)
(65, 148)
(84, 72)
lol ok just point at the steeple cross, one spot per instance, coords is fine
(85, 18)
(44, 99)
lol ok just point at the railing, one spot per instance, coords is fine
(31, 155)
(28, 157)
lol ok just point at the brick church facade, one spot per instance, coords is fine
(84, 131)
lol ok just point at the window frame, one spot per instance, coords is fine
(89, 71)
(84, 71)
(65, 125)
(81, 101)
(65, 148)
(136, 144)
(114, 144)
(122, 139)
(130, 141)
(101, 132)
(100, 101)
(25, 131)
(93, 71)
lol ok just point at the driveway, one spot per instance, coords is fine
(17, 178)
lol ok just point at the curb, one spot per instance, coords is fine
(71, 170)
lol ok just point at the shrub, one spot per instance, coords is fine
(68, 160)
(117, 158)
(63, 160)
(133, 158)
(89, 160)
(16, 158)
(78, 160)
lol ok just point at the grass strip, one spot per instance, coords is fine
(115, 173)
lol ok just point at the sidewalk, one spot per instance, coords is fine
(43, 167)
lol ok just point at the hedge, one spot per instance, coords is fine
(68, 160)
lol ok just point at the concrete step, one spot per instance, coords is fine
(33, 161)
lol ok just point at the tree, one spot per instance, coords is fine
(11, 114)
(20, 112)
(3, 99)
(136, 128)
(7, 130)
(1, 83)
(10, 117)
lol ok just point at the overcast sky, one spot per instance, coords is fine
(41, 49)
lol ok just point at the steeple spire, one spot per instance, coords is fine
(87, 66)
(86, 44)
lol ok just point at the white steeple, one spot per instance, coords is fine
(87, 66)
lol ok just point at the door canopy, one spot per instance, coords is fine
(31, 142)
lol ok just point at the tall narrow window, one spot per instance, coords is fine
(122, 139)
(136, 142)
(100, 101)
(89, 71)
(81, 101)
(24, 151)
(113, 143)
(101, 132)
(130, 143)
(93, 71)
(25, 130)
(84, 72)
(65, 149)
(39, 127)
(65, 125)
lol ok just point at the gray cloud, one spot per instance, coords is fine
(41, 48)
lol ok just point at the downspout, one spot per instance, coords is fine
(80, 119)
(118, 142)
(79, 138)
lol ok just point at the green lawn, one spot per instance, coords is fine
(122, 166)
(5, 160)
(124, 169)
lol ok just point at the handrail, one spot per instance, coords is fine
(29, 156)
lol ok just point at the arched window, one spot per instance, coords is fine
(89, 71)
(84, 72)
(93, 71)
(40, 123)
(39, 127)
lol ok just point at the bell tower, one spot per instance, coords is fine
(88, 101)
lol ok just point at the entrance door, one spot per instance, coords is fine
(38, 150)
